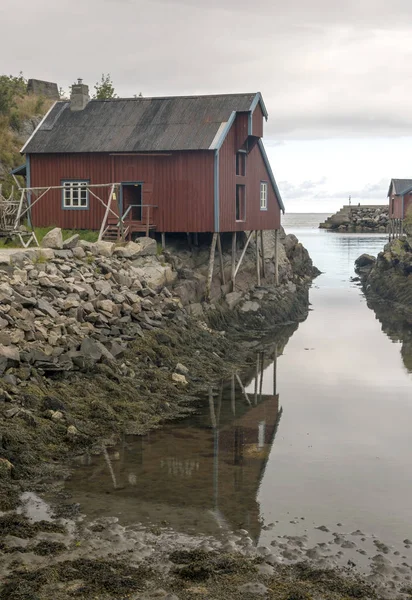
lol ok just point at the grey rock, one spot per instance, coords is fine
(103, 248)
(365, 260)
(46, 308)
(196, 310)
(24, 300)
(53, 239)
(254, 589)
(250, 306)
(71, 242)
(78, 252)
(181, 369)
(232, 299)
(95, 350)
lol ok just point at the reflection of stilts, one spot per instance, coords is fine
(242, 387)
(275, 362)
(233, 394)
(109, 466)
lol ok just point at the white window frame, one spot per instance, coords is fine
(75, 194)
(263, 195)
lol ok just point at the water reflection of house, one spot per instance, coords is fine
(200, 474)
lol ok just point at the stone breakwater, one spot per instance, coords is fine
(358, 219)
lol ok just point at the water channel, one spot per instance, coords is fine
(321, 437)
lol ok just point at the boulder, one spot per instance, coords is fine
(9, 357)
(94, 350)
(71, 242)
(365, 260)
(103, 249)
(250, 306)
(232, 299)
(142, 247)
(178, 378)
(196, 310)
(53, 239)
(43, 254)
(181, 369)
(78, 252)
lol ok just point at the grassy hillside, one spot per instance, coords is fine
(17, 113)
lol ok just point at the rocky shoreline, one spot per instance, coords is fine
(358, 219)
(388, 277)
(99, 340)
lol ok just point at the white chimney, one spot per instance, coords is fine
(79, 96)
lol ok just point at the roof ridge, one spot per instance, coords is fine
(140, 98)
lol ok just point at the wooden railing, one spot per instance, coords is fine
(127, 221)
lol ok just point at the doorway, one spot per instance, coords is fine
(132, 201)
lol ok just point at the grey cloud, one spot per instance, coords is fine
(326, 69)
(317, 192)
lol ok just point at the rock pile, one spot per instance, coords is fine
(65, 309)
(359, 219)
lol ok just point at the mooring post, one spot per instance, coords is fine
(257, 258)
(276, 257)
(233, 270)
(211, 265)
(222, 270)
(263, 255)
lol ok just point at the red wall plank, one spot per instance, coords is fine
(255, 173)
(182, 187)
(257, 122)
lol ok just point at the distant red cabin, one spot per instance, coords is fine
(400, 198)
(186, 164)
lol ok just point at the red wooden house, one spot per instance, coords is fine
(400, 199)
(179, 164)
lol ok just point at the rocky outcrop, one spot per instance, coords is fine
(389, 276)
(355, 219)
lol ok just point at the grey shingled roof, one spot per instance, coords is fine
(138, 124)
(401, 185)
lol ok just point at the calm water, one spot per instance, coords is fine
(321, 436)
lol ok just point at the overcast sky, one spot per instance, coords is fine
(335, 75)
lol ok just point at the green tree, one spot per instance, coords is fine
(11, 88)
(105, 89)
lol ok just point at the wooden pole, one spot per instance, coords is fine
(249, 237)
(163, 241)
(257, 377)
(189, 240)
(275, 363)
(233, 269)
(233, 395)
(212, 408)
(222, 270)
(242, 387)
(196, 238)
(276, 257)
(257, 258)
(211, 265)
(262, 367)
(263, 255)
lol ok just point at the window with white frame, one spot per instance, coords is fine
(263, 195)
(75, 194)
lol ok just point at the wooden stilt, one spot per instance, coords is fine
(242, 387)
(189, 240)
(233, 395)
(163, 241)
(402, 227)
(212, 408)
(257, 258)
(249, 237)
(222, 270)
(257, 376)
(275, 364)
(233, 269)
(263, 255)
(211, 265)
(196, 239)
(276, 257)
(262, 367)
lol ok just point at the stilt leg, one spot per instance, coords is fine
(233, 270)
(257, 258)
(222, 270)
(276, 257)
(263, 255)
(211, 265)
